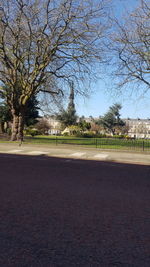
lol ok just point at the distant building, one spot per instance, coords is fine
(55, 125)
(52, 124)
(138, 128)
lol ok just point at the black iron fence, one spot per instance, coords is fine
(123, 144)
(104, 143)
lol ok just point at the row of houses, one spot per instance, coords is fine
(136, 128)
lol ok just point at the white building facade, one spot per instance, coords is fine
(138, 128)
(55, 125)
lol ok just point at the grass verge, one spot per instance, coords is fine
(104, 143)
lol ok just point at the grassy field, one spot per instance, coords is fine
(104, 143)
(60, 140)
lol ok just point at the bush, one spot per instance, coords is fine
(122, 136)
(66, 134)
(101, 135)
(85, 134)
(118, 136)
(129, 137)
(89, 135)
(32, 132)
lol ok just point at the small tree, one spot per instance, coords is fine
(43, 126)
(111, 119)
(67, 117)
(96, 127)
(83, 124)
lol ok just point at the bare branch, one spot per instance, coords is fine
(131, 43)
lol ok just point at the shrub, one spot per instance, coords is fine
(101, 135)
(89, 135)
(32, 132)
(121, 136)
(66, 134)
(85, 134)
(128, 137)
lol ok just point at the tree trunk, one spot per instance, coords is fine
(14, 127)
(18, 125)
(113, 131)
(2, 130)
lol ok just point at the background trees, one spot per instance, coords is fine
(41, 41)
(30, 116)
(83, 124)
(111, 120)
(131, 46)
(67, 117)
(32, 111)
(5, 116)
(42, 126)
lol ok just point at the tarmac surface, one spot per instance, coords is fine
(72, 212)
(77, 152)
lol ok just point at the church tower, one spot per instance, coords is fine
(71, 105)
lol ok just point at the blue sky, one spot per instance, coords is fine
(101, 100)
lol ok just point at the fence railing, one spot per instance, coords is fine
(123, 144)
(104, 143)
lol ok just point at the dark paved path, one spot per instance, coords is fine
(61, 212)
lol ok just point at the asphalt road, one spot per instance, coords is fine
(67, 212)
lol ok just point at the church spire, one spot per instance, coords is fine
(71, 97)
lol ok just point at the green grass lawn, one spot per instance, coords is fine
(104, 143)
(60, 140)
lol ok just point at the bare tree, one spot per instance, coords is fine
(43, 126)
(131, 47)
(45, 40)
